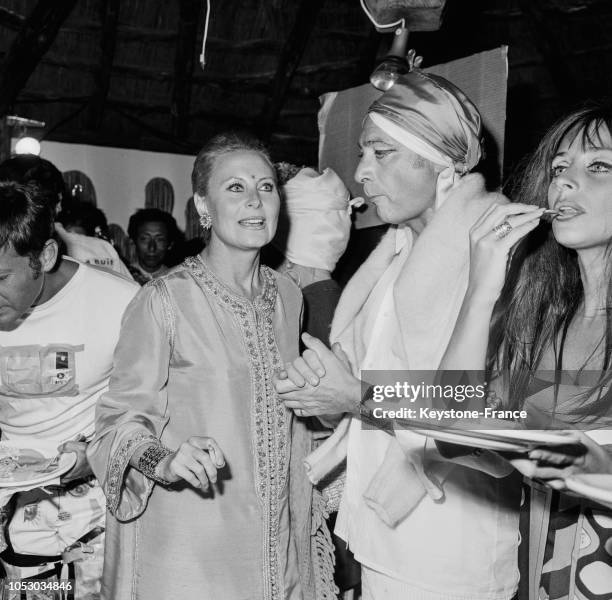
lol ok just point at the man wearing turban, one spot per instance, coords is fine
(423, 527)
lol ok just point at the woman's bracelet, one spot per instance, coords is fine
(150, 458)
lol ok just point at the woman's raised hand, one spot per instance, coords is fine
(492, 238)
(196, 461)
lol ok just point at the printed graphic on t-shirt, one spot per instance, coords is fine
(27, 371)
(102, 262)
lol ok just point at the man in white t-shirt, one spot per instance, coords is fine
(59, 324)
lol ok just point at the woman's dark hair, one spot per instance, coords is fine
(87, 216)
(217, 146)
(26, 220)
(543, 289)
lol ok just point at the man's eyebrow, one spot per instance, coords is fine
(371, 141)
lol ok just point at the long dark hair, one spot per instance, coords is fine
(543, 289)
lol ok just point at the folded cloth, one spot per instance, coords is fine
(401, 483)
(315, 222)
(328, 455)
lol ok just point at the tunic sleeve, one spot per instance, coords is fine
(134, 411)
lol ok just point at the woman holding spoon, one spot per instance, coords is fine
(539, 308)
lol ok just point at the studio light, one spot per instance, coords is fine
(27, 145)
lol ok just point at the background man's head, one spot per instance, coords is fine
(153, 232)
(27, 249)
(84, 218)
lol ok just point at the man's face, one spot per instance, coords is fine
(399, 182)
(20, 287)
(152, 245)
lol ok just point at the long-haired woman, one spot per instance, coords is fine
(545, 320)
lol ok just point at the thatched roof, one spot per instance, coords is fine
(126, 72)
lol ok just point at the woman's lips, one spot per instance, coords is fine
(253, 223)
(565, 212)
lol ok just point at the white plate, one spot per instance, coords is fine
(536, 437)
(515, 440)
(593, 486)
(469, 439)
(31, 473)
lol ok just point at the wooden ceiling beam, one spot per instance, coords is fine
(343, 34)
(151, 108)
(38, 98)
(11, 20)
(367, 58)
(158, 142)
(189, 15)
(109, 17)
(546, 40)
(257, 82)
(290, 58)
(33, 40)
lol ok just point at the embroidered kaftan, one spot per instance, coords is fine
(195, 359)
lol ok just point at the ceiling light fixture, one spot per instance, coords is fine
(394, 64)
(26, 144)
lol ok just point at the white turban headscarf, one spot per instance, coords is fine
(316, 223)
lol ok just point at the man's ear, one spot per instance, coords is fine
(48, 255)
(200, 203)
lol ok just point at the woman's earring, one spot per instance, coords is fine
(205, 221)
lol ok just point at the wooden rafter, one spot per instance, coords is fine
(151, 108)
(367, 59)
(189, 13)
(109, 17)
(33, 40)
(255, 82)
(547, 41)
(10, 19)
(290, 59)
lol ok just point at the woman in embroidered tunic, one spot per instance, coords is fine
(192, 445)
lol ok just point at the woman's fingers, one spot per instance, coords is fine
(207, 470)
(515, 222)
(180, 470)
(518, 233)
(209, 445)
(515, 214)
(495, 212)
(197, 461)
(484, 216)
(552, 458)
(215, 452)
(196, 465)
